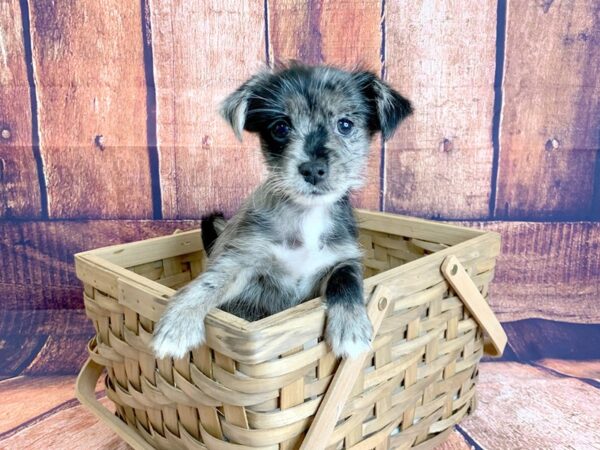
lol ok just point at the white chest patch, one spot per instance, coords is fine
(306, 254)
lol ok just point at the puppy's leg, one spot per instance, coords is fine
(348, 327)
(181, 328)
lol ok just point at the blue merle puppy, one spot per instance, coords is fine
(295, 238)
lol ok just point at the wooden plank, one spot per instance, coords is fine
(71, 428)
(455, 441)
(39, 271)
(19, 187)
(17, 352)
(28, 398)
(538, 339)
(589, 370)
(43, 322)
(203, 50)
(60, 355)
(546, 270)
(521, 404)
(316, 32)
(439, 164)
(549, 128)
(43, 342)
(91, 99)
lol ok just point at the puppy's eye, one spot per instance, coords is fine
(280, 130)
(345, 126)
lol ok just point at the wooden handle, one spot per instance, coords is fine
(85, 387)
(343, 381)
(463, 285)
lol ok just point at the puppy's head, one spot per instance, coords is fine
(315, 125)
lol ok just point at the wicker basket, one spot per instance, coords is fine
(273, 384)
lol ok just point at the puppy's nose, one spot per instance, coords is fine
(313, 171)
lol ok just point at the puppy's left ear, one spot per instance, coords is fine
(388, 107)
(234, 109)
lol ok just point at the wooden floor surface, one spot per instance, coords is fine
(551, 405)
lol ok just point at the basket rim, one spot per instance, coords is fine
(371, 220)
(381, 221)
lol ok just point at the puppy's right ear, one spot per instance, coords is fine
(234, 109)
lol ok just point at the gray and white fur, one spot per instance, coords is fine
(295, 238)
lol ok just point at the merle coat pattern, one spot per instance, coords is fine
(295, 237)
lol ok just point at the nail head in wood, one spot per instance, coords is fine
(552, 144)
(382, 303)
(5, 133)
(206, 141)
(446, 145)
(100, 142)
(454, 269)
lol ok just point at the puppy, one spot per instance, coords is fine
(295, 238)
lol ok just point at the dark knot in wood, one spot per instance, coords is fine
(100, 142)
(5, 133)
(446, 145)
(552, 144)
(206, 141)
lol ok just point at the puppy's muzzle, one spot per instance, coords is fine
(313, 172)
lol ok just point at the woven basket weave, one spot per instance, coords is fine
(260, 385)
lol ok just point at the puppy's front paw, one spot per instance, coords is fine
(348, 330)
(178, 331)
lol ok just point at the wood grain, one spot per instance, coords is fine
(546, 270)
(203, 50)
(43, 342)
(589, 369)
(439, 164)
(521, 405)
(19, 187)
(72, 428)
(317, 32)
(455, 441)
(61, 354)
(25, 398)
(91, 100)
(39, 271)
(518, 404)
(17, 352)
(538, 339)
(549, 129)
(54, 395)
(58, 322)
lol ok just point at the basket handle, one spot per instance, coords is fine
(85, 387)
(463, 285)
(343, 381)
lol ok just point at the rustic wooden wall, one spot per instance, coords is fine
(108, 127)
(550, 119)
(109, 133)
(440, 164)
(90, 105)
